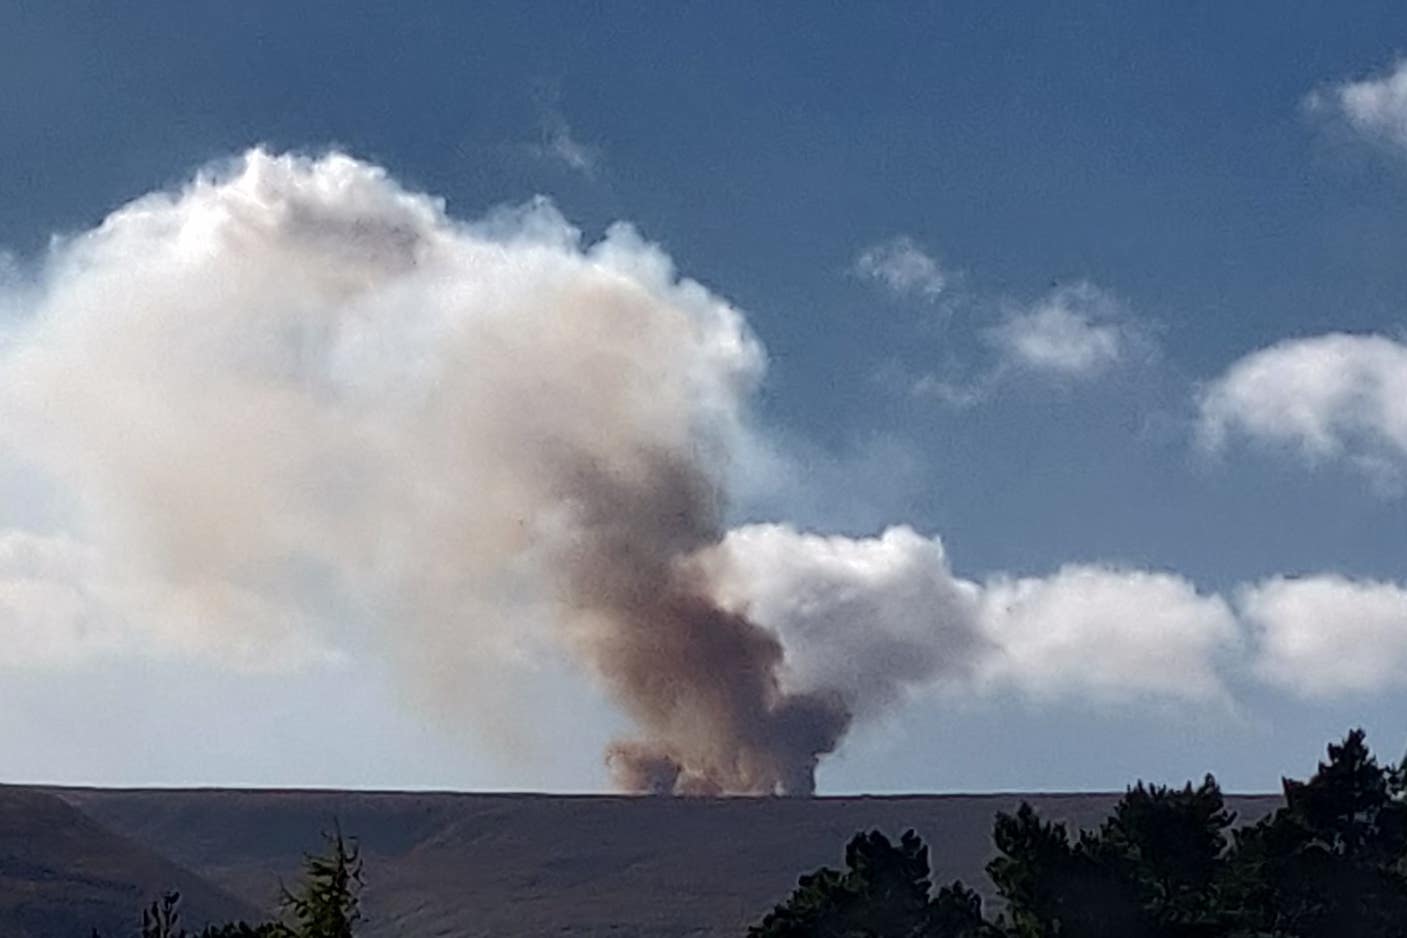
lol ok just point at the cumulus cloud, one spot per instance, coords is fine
(1334, 396)
(1328, 635)
(879, 618)
(868, 617)
(903, 268)
(1108, 634)
(1375, 107)
(1075, 332)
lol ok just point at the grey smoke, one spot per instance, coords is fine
(700, 681)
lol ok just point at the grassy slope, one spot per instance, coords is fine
(519, 865)
(63, 874)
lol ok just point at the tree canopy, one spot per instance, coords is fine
(324, 904)
(1166, 863)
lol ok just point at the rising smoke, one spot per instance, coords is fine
(294, 379)
(294, 409)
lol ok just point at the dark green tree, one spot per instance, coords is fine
(246, 930)
(1168, 846)
(162, 919)
(956, 912)
(1329, 864)
(1055, 888)
(884, 893)
(327, 902)
(1151, 870)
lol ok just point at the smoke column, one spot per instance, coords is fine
(294, 394)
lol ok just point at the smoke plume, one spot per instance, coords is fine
(294, 397)
(293, 412)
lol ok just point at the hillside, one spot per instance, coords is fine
(63, 874)
(519, 865)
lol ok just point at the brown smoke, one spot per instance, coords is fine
(701, 682)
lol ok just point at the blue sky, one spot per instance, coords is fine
(1005, 263)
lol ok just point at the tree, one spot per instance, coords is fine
(884, 893)
(327, 903)
(1030, 851)
(1329, 863)
(1168, 846)
(1349, 807)
(956, 912)
(1151, 870)
(162, 919)
(246, 930)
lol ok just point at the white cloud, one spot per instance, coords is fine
(869, 617)
(884, 616)
(1075, 332)
(1108, 635)
(1328, 635)
(1375, 107)
(1327, 397)
(904, 268)
(956, 393)
(561, 145)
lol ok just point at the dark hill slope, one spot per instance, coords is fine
(520, 865)
(63, 874)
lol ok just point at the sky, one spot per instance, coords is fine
(1057, 350)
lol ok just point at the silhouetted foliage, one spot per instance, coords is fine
(246, 930)
(1332, 863)
(327, 904)
(956, 912)
(884, 893)
(162, 919)
(1168, 846)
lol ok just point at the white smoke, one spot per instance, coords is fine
(296, 395)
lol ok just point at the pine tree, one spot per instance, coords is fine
(162, 919)
(884, 893)
(1329, 863)
(327, 904)
(1169, 846)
